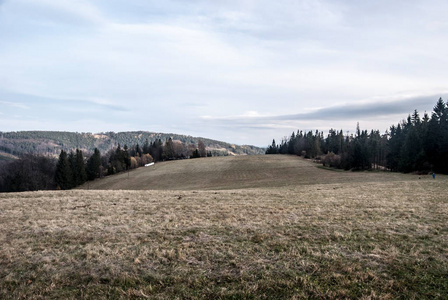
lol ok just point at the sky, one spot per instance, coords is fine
(240, 71)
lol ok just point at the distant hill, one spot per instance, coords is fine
(236, 172)
(14, 144)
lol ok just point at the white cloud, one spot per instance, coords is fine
(59, 12)
(14, 104)
(248, 59)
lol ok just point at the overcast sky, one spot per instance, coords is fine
(240, 71)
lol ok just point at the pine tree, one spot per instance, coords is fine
(291, 143)
(80, 168)
(146, 147)
(196, 153)
(272, 149)
(168, 150)
(73, 169)
(117, 160)
(93, 165)
(411, 154)
(126, 157)
(138, 150)
(63, 176)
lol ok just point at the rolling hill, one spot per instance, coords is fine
(244, 227)
(233, 172)
(13, 144)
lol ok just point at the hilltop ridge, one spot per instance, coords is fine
(14, 144)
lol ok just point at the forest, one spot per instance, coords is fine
(416, 144)
(34, 172)
(16, 144)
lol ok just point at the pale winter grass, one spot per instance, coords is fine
(378, 239)
(233, 172)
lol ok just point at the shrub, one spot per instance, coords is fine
(332, 160)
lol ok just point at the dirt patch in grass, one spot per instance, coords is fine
(364, 238)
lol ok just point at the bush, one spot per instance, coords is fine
(332, 160)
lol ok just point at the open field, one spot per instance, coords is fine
(234, 172)
(306, 233)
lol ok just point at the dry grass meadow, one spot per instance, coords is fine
(255, 227)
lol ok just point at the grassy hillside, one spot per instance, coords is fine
(257, 171)
(51, 142)
(303, 233)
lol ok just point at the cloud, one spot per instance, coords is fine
(359, 111)
(14, 104)
(350, 111)
(60, 11)
(250, 66)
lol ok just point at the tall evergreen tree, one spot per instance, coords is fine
(63, 175)
(168, 149)
(73, 169)
(126, 158)
(272, 149)
(93, 165)
(80, 168)
(146, 147)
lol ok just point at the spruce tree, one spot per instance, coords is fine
(73, 169)
(63, 176)
(80, 168)
(126, 157)
(168, 150)
(93, 165)
(146, 147)
(196, 153)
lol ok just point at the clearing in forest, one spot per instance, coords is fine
(263, 227)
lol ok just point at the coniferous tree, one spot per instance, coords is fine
(272, 149)
(146, 147)
(80, 168)
(126, 157)
(118, 160)
(73, 169)
(168, 149)
(196, 153)
(28, 173)
(63, 176)
(138, 150)
(436, 140)
(411, 154)
(93, 165)
(156, 150)
(291, 143)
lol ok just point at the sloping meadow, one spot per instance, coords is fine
(372, 240)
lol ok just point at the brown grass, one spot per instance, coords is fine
(376, 236)
(233, 172)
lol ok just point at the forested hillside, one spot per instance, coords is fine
(416, 144)
(14, 144)
(36, 168)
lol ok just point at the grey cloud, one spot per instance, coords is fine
(366, 110)
(356, 112)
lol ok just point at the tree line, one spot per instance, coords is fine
(52, 142)
(416, 144)
(34, 172)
